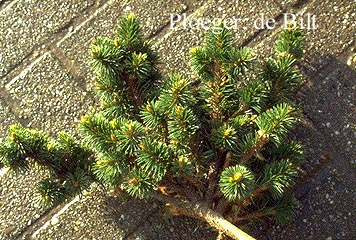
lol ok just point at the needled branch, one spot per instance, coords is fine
(182, 145)
(257, 192)
(263, 139)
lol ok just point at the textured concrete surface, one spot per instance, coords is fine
(18, 210)
(158, 225)
(6, 118)
(327, 192)
(45, 83)
(58, 105)
(114, 218)
(25, 25)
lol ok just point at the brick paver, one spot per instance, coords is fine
(47, 97)
(18, 210)
(25, 25)
(6, 118)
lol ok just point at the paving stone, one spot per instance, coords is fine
(327, 194)
(329, 81)
(47, 97)
(18, 210)
(316, 154)
(99, 216)
(174, 46)
(330, 104)
(288, 3)
(24, 25)
(103, 22)
(326, 190)
(160, 226)
(6, 118)
(328, 206)
(328, 198)
(336, 26)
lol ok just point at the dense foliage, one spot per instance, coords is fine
(222, 137)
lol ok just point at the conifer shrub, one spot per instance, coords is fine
(216, 148)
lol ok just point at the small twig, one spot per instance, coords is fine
(227, 160)
(193, 181)
(262, 140)
(257, 192)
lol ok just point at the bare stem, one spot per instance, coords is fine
(201, 211)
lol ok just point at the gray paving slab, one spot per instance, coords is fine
(336, 28)
(103, 22)
(334, 33)
(327, 194)
(328, 209)
(330, 104)
(327, 212)
(317, 156)
(25, 25)
(161, 225)
(6, 118)
(98, 216)
(175, 45)
(47, 97)
(18, 211)
(327, 189)
(327, 99)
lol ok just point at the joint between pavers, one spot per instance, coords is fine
(164, 29)
(9, 5)
(137, 227)
(49, 218)
(79, 27)
(71, 68)
(189, 16)
(26, 70)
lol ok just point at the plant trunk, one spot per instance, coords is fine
(201, 211)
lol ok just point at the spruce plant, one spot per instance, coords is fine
(216, 147)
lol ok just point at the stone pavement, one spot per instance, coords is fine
(45, 83)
